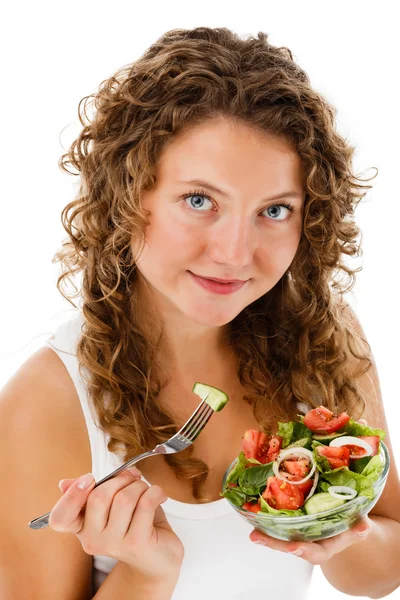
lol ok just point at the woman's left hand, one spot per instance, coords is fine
(320, 551)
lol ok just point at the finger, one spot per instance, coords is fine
(280, 545)
(66, 514)
(99, 502)
(336, 544)
(123, 507)
(147, 511)
(319, 551)
(64, 484)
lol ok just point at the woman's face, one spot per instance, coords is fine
(239, 232)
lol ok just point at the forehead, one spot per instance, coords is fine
(234, 153)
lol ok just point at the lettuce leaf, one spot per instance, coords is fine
(361, 482)
(239, 466)
(292, 432)
(252, 479)
(354, 428)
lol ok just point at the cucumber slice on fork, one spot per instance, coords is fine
(213, 396)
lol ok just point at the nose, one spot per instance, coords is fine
(232, 243)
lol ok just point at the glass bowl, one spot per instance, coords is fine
(320, 526)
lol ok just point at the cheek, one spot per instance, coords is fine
(172, 240)
(277, 254)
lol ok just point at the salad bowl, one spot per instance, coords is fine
(321, 515)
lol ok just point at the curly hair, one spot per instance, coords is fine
(290, 342)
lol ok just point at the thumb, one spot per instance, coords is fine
(160, 519)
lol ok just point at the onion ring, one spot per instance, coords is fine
(353, 441)
(335, 489)
(293, 452)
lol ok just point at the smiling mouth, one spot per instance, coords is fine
(221, 280)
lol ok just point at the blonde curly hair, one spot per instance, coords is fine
(290, 342)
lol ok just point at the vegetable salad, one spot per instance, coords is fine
(309, 466)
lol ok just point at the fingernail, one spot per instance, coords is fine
(297, 552)
(362, 533)
(85, 481)
(261, 542)
(60, 484)
(135, 471)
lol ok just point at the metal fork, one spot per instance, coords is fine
(180, 441)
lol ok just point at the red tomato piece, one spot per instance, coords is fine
(296, 466)
(255, 508)
(275, 445)
(260, 445)
(281, 494)
(372, 440)
(322, 420)
(306, 486)
(250, 443)
(337, 456)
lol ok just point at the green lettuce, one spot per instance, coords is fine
(292, 432)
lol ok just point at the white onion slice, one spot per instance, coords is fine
(295, 451)
(354, 441)
(335, 489)
(314, 485)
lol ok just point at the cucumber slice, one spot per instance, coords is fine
(326, 436)
(216, 398)
(320, 502)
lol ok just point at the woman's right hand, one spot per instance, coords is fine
(122, 518)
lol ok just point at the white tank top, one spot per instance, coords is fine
(220, 562)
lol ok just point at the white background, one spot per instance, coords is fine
(54, 54)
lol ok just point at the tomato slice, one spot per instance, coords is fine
(337, 456)
(255, 508)
(250, 443)
(275, 445)
(373, 441)
(323, 420)
(299, 466)
(281, 494)
(261, 446)
(306, 486)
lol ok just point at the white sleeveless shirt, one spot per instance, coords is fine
(220, 562)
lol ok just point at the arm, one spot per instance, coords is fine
(371, 567)
(123, 583)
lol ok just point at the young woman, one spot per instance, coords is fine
(216, 205)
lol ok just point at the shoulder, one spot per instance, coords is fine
(41, 396)
(41, 442)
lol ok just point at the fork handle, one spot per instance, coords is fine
(43, 521)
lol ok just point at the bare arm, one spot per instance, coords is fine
(123, 583)
(370, 568)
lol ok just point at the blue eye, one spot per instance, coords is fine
(200, 197)
(289, 207)
(198, 204)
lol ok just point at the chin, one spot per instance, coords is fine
(209, 318)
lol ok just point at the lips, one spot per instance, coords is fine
(218, 287)
(221, 280)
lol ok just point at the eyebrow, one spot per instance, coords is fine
(215, 190)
